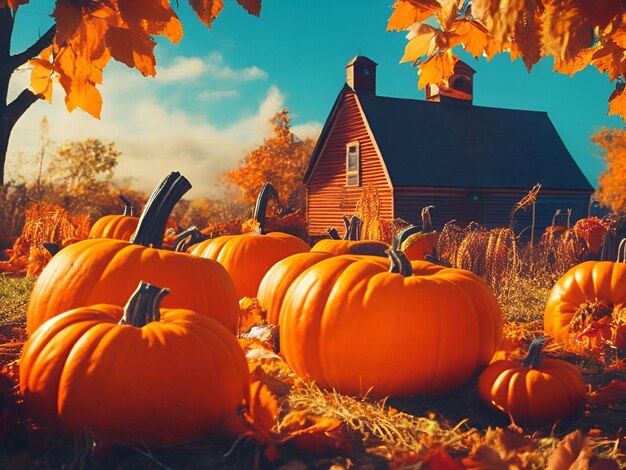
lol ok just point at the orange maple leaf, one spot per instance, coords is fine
(207, 10)
(421, 43)
(609, 57)
(574, 64)
(41, 78)
(134, 48)
(573, 452)
(251, 6)
(408, 12)
(473, 35)
(436, 69)
(13, 4)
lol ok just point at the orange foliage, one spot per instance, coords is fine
(89, 34)
(576, 33)
(45, 223)
(611, 146)
(281, 160)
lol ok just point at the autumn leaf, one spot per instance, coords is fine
(598, 12)
(134, 48)
(611, 394)
(528, 41)
(13, 4)
(420, 44)
(86, 97)
(207, 10)
(565, 32)
(500, 17)
(68, 15)
(408, 12)
(41, 78)
(573, 452)
(609, 58)
(574, 64)
(617, 101)
(251, 6)
(474, 36)
(437, 69)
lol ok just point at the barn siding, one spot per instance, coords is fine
(492, 210)
(328, 197)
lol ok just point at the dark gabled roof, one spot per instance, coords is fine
(433, 144)
(425, 143)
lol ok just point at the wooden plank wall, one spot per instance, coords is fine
(328, 197)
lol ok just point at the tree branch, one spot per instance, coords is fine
(33, 51)
(18, 106)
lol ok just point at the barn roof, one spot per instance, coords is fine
(445, 144)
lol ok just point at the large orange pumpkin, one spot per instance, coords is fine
(535, 391)
(584, 294)
(417, 244)
(120, 227)
(351, 242)
(249, 256)
(107, 270)
(157, 377)
(356, 323)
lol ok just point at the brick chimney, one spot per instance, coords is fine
(458, 89)
(361, 74)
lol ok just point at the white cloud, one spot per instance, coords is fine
(182, 68)
(154, 138)
(308, 129)
(216, 68)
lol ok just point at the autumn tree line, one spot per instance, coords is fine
(79, 177)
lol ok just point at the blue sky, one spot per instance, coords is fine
(216, 89)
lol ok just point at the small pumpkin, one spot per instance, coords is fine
(120, 227)
(418, 244)
(589, 293)
(395, 327)
(247, 257)
(537, 390)
(351, 242)
(107, 270)
(155, 377)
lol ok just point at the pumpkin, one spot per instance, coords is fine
(120, 227)
(280, 276)
(535, 391)
(157, 377)
(107, 270)
(351, 242)
(247, 257)
(416, 244)
(586, 295)
(592, 230)
(363, 323)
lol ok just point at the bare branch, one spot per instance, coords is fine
(33, 51)
(18, 107)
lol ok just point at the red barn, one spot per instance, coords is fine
(470, 162)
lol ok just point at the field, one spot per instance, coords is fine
(308, 427)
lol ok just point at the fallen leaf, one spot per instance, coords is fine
(572, 453)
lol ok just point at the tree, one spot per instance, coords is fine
(281, 160)
(576, 33)
(611, 147)
(81, 173)
(85, 36)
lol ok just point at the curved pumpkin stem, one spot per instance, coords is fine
(158, 209)
(128, 207)
(333, 234)
(143, 305)
(260, 208)
(353, 227)
(52, 248)
(403, 235)
(427, 223)
(188, 237)
(399, 263)
(533, 359)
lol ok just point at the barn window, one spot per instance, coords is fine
(353, 164)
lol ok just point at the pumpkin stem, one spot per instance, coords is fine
(399, 263)
(188, 237)
(427, 224)
(353, 227)
(143, 305)
(155, 215)
(533, 359)
(260, 208)
(128, 207)
(402, 236)
(333, 234)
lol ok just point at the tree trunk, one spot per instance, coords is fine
(11, 112)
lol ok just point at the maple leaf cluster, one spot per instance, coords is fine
(576, 33)
(89, 33)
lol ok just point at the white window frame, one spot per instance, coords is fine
(357, 172)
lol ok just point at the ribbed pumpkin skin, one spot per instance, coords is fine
(249, 256)
(165, 382)
(555, 390)
(349, 324)
(343, 247)
(586, 282)
(106, 270)
(426, 245)
(120, 227)
(277, 280)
